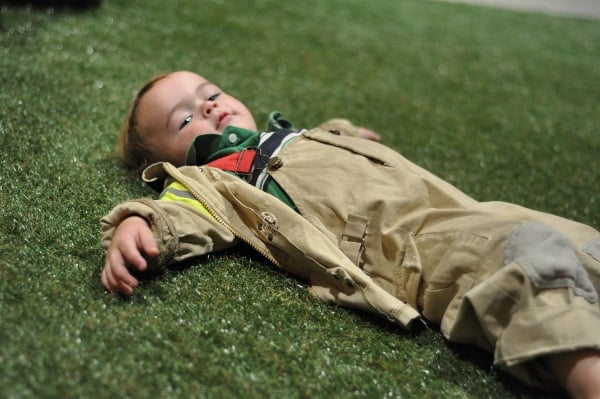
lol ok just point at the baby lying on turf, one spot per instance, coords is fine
(365, 227)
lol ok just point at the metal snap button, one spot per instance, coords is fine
(275, 163)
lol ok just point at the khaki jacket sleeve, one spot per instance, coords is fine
(181, 232)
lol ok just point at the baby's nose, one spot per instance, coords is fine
(207, 107)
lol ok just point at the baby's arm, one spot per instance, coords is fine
(368, 134)
(132, 240)
(144, 235)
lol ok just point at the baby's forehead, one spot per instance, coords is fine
(184, 84)
(187, 76)
(174, 89)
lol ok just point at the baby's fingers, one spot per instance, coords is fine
(116, 275)
(114, 285)
(126, 289)
(132, 241)
(130, 253)
(147, 243)
(368, 134)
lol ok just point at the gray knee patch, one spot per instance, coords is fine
(548, 259)
(592, 248)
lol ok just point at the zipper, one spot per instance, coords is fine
(397, 314)
(181, 179)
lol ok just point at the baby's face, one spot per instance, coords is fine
(180, 107)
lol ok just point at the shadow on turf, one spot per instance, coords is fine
(484, 361)
(419, 331)
(58, 5)
(62, 4)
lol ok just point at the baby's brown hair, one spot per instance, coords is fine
(132, 148)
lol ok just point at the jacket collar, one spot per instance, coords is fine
(207, 147)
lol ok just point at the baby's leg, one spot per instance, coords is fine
(535, 306)
(578, 372)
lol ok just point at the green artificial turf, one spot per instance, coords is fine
(504, 105)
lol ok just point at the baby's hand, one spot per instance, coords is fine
(368, 134)
(131, 238)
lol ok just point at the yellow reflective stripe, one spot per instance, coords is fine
(178, 193)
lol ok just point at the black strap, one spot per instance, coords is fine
(265, 151)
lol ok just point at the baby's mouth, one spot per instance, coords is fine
(223, 118)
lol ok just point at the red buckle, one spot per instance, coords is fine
(238, 162)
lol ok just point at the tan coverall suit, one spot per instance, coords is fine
(378, 233)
